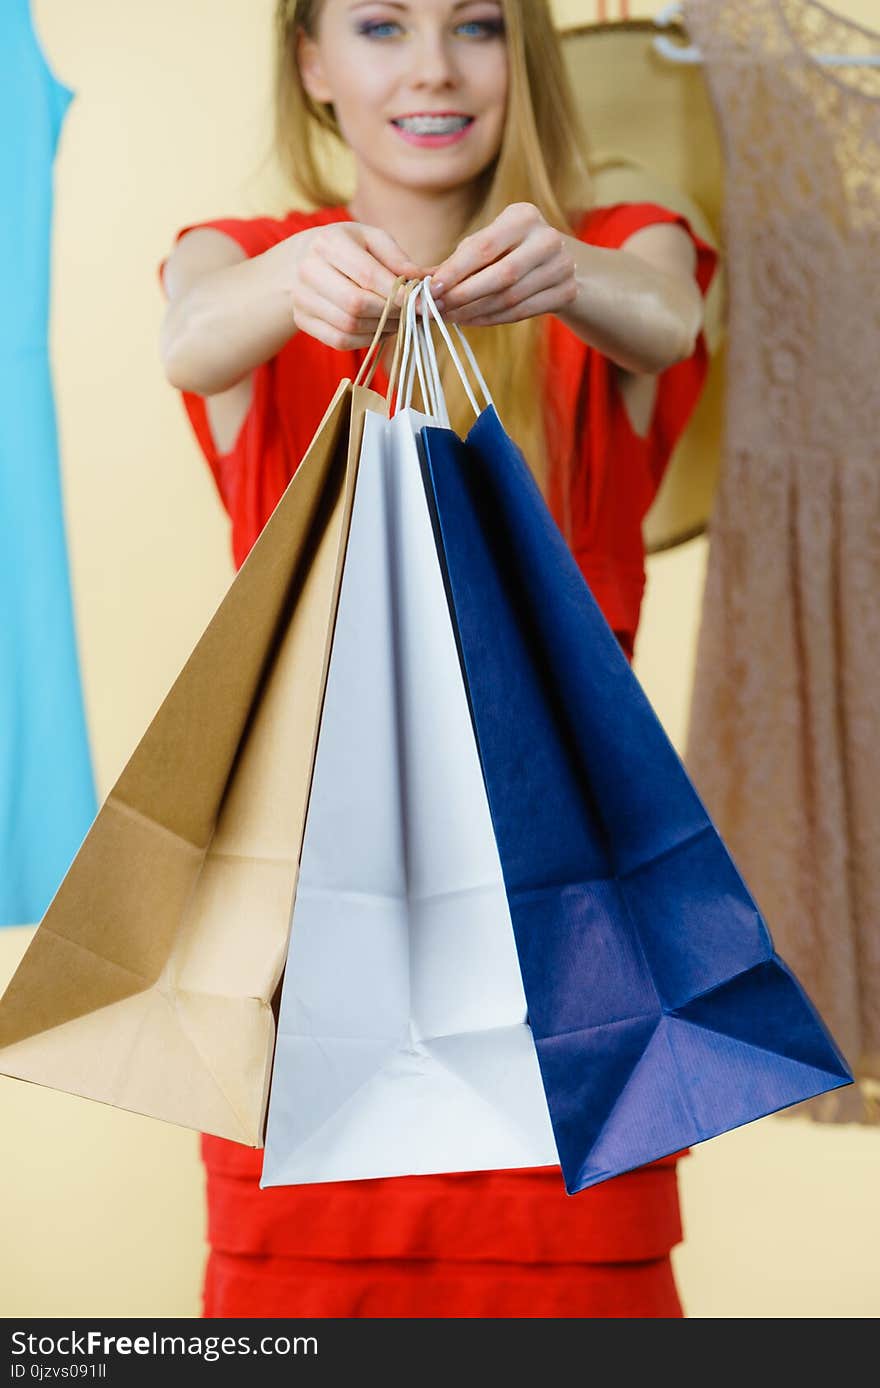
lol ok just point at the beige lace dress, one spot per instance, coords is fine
(784, 736)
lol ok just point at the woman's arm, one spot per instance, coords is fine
(640, 305)
(227, 313)
(231, 310)
(225, 319)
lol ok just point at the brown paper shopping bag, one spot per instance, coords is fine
(150, 980)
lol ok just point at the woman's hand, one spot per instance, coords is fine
(342, 276)
(514, 268)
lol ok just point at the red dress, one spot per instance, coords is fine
(483, 1244)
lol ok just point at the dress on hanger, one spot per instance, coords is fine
(784, 739)
(486, 1243)
(47, 795)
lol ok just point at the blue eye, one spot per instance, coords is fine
(370, 30)
(490, 28)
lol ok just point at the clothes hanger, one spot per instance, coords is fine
(676, 53)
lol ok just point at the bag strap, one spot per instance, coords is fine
(432, 398)
(414, 352)
(360, 378)
(428, 302)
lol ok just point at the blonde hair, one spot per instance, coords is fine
(542, 160)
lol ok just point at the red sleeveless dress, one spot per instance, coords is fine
(474, 1244)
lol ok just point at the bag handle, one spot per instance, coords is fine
(432, 399)
(414, 351)
(364, 380)
(404, 338)
(428, 303)
(398, 345)
(424, 339)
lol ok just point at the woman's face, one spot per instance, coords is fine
(383, 65)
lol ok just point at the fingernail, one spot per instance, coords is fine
(437, 288)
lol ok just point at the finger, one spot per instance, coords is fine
(543, 276)
(360, 267)
(544, 248)
(386, 250)
(333, 337)
(330, 294)
(545, 302)
(481, 248)
(358, 264)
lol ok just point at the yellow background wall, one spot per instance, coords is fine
(102, 1211)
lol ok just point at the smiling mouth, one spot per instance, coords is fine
(433, 125)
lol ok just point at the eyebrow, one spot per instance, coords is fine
(394, 5)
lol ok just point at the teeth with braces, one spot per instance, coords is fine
(432, 125)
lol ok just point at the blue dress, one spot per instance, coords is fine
(47, 794)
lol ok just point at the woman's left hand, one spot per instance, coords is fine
(514, 268)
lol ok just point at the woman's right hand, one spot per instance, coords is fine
(342, 276)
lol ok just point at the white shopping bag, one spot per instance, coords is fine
(403, 1045)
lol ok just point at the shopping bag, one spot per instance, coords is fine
(403, 1045)
(150, 980)
(661, 1013)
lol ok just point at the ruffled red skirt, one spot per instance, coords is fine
(486, 1244)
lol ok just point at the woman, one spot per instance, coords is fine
(587, 324)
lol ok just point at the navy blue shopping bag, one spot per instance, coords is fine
(660, 1011)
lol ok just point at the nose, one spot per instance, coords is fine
(434, 64)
